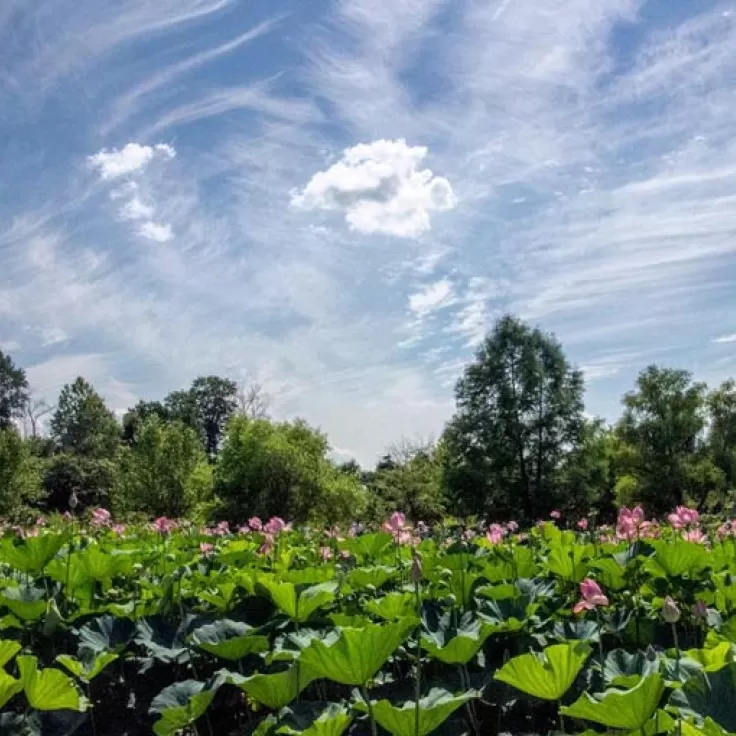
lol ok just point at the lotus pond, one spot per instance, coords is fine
(402, 630)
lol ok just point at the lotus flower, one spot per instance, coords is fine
(592, 596)
(682, 516)
(206, 548)
(512, 527)
(629, 521)
(275, 525)
(325, 553)
(555, 515)
(255, 524)
(101, 517)
(118, 529)
(163, 525)
(700, 610)
(495, 534)
(583, 525)
(670, 611)
(267, 546)
(396, 523)
(694, 535)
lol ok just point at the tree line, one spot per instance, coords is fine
(518, 446)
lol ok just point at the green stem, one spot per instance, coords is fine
(418, 676)
(371, 716)
(562, 718)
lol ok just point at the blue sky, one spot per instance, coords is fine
(337, 198)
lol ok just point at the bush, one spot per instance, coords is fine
(20, 476)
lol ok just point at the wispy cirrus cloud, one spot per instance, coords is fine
(360, 188)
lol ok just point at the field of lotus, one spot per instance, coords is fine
(405, 630)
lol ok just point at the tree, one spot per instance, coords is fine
(721, 406)
(82, 424)
(519, 410)
(34, 411)
(281, 469)
(664, 421)
(165, 473)
(253, 401)
(13, 391)
(135, 417)
(20, 475)
(411, 482)
(207, 406)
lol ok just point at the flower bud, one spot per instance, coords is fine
(670, 611)
(700, 610)
(416, 569)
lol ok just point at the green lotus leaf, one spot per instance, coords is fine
(229, 639)
(107, 633)
(356, 655)
(569, 562)
(713, 659)
(333, 721)
(709, 728)
(8, 649)
(675, 558)
(548, 676)
(26, 602)
(33, 553)
(709, 694)
(622, 669)
(297, 604)
(90, 666)
(275, 690)
(48, 689)
(454, 645)
(370, 545)
(362, 577)
(9, 687)
(624, 709)
(434, 709)
(392, 606)
(180, 705)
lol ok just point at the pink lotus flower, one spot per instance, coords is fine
(275, 525)
(255, 524)
(118, 529)
(495, 534)
(222, 529)
(163, 525)
(555, 515)
(512, 526)
(628, 522)
(694, 535)
(396, 523)
(700, 610)
(206, 548)
(41, 521)
(325, 553)
(268, 544)
(682, 517)
(649, 530)
(583, 525)
(592, 596)
(101, 517)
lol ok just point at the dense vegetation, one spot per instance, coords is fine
(518, 446)
(408, 630)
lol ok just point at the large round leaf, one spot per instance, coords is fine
(180, 705)
(625, 709)
(709, 694)
(548, 676)
(48, 689)
(229, 639)
(356, 655)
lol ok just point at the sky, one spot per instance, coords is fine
(337, 198)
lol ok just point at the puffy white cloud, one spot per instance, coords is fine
(132, 158)
(432, 297)
(381, 189)
(160, 232)
(724, 339)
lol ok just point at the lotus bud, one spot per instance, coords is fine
(670, 611)
(700, 610)
(416, 568)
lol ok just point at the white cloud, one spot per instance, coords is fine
(136, 209)
(431, 298)
(132, 158)
(160, 232)
(380, 188)
(725, 338)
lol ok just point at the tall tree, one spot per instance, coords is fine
(82, 424)
(207, 406)
(13, 391)
(664, 421)
(519, 409)
(165, 472)
(721, 404)
(134, 418)
(20, 475)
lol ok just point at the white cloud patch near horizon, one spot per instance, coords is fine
(380, 188)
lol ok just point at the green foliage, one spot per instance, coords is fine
(82, 424)
(165, 473)
(13, 391)
(519, 408)
(20, 475)
(91, 479)
(281, 469)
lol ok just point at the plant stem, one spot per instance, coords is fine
(371, 717)
(562, 718)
